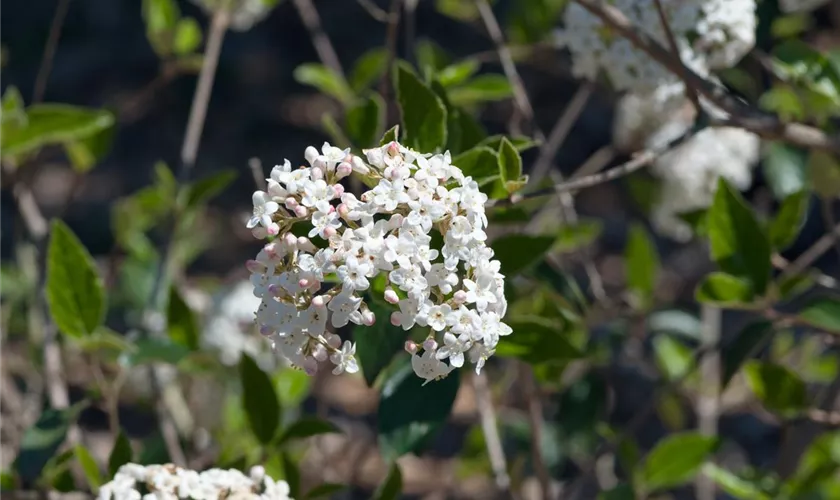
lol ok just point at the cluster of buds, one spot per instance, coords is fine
(165, 482)
(453, 288)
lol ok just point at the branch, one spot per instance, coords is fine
(708, 401)
(491, 433)
(742, 114)
(49, 50)
(690, 91)
(813, 253)
(312, 21)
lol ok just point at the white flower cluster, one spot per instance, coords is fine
(168, 482)
(230, 328)
(690, 171)
(710, 34)
(455, 290)
(244, 14)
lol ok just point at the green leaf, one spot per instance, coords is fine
(324, 79)
(14, 111)
(333, 129)
(825, 173)
(423, 113)
(789, 219)
(161, 18)
(673, 357)
(89, 467)
(779, 389)
(521, 143)
(510, 163)
(532, 21)
(42, 441)
(458, 73)
(538, 341)
(463, 131)
(518, 252)
(368, 68)
(620, 492)
(304, 428)
(823, 313)
(377, 344)
(181, 322)
(53, 124)
(675, 460)
(391, 487)
(364, 121)
(187, 36)
(259, 400)
(573, 237)
(292, 475)
(784, 100)
(85, 153)
(742, 347)
(641, 262)
(734, 485)
(724, 289)
(292, 387)
(74, 290)
(431, 57)
(785, 169)
(479, 163)
(390, 135)
(205, 189)
(325, 490)
(154, 350)
(121, 454)
(482, 88)
(739, 243)
(410, 413)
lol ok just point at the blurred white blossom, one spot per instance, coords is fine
(155, 482)
(244, 14)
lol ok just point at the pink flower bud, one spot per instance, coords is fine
(396, 318)
(273, 229)
(459, 297)
(343, 170)
(291, 203)
(359, 166)
(338, 190)
(318, 301)
(333, 340)
(329, 231)
(396, 220)
(303, 283)
(368, 318)
(254, 266)
(430, 345)
(343, 210)
(391, 296)
(331, 209)
(410, 347)
(310, 154)
(319, 353)
(393, 148)
(317, 172)
(310, 365)
(301, 211)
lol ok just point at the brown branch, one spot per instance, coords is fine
(742, 114)
(49, 50)
(312, 21)
(375, 11)
(690, 91)
(535, 416)
(821, 246)
(484, 403)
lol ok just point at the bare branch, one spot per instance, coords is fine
(690, 91)
(813, 253)
(742, 114)
(49, 50)
(498, 462)
(323, 46)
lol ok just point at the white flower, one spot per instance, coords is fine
(482, 291)
(342, 306)
(317, 194)
(344, 360)
(313, 320)
(322, 223)
(436, 317)
(454, 348)
(264, 208)
(428, 367)
(354, 274)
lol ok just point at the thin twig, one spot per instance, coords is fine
(391, 35)
(829, 221)
(535, 415)
(708, 401)
(813, 253)
(312, 21)
(258, 173)
(492, 439)
(49, 50)
(742, 114)
(596, 162)
(410, 29)
(690, 91)
(375, 11)
(559, 132)
(520, 96)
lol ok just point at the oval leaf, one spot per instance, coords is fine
(391, 487)
(724, 289)
(744, 346)
(823, 312)
(89, 467)
(675, 460)
(423, 113)
(306, 427)
(788, 221)
(74, 290)
(54, 124)
(364, 121)
(121, 454)
(377, 344)
(259, 400)
(180, 321)
(324, 79)
(779, 389)
(518, 252)
(641, 263)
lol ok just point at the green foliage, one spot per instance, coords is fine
(739, 243)
(778, 388)
(673, 357)
(641, 266)
(745, 345)
(89, 466)
(170, 35)
(259, 400)
(410, 413)
(207, 188)
(182, 325)
(42, 441)
(327, 490)
(368, 68)
(785, 168)
(120, 455)
(377, 344)
(508, 250)
(725, 290)
(536, 340)
(74, 290)
(824, 170)
(364, 121)
(789, 219)
(822, 312)
(423, 113)
(483, 88)
(734, 485)
(531, 21)
(304, 428)
(391, 487)
(674, 461)
(573, 237)
(324, 79)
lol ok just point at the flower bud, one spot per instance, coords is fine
(259, 232)
(305, 244)
(338, 190)
(331, 209)
(319, 353)
(290, 240)
(430, 345)
(391, 296)
(255, 266)
(318, 301)
(257, 473)
(359, 166)
(266, 331)
(459, 297)
(396, 318)
(310, 365)
(329, 232)
(301, 211)
(310, 154)
(343, 170)
(410, 347)
(333, 340)
(273, 229)
(291, 203)
(343, 210)
(317, 172)
(303, 283)
(393, 148)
